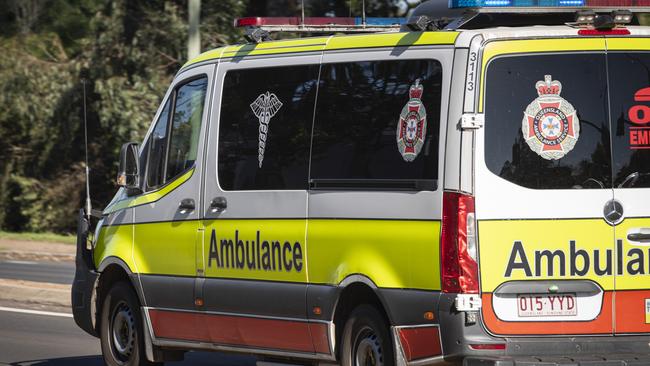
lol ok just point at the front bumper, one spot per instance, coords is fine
(85, 278)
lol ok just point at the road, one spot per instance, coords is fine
(45, 340)
(42, 340)
(52, 272)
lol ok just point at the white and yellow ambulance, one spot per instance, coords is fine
(471, 189)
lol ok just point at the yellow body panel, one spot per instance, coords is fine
(636, 258)
(115, 241)
(394, 254)
(231, 247)
(497, 248)
(500, 48)
(628, 44)
(167, 248)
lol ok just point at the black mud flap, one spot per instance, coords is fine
(84, 279)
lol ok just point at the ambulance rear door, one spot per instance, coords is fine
(542, 182)
(628, 62)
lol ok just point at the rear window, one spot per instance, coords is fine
(376, 125)
(546, 121)
(630, 102)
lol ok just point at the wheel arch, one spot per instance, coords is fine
(111, 271)
(356, 290)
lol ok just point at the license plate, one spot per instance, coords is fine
(533, 305)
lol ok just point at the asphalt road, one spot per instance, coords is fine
(52, 272)
(42, 340)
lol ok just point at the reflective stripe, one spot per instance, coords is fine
(150, 196)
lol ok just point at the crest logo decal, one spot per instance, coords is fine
(412, 125)
(265, 107)
(550, 125)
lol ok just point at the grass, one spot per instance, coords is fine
(44, 237)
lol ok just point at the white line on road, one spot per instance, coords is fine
(19, 262)
(35, 312)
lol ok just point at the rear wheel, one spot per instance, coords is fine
(366, 339)
(122, 336)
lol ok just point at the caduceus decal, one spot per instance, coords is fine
(265, 107)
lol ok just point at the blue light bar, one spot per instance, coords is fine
(379, 21)
(515, 3)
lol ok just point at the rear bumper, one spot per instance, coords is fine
(610, 360)
(458, 337)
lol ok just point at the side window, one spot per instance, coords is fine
(186, 126)
(629, 77)
(265, 127)
(377, 125)
(172, 145)
(157, 145)
(546, 121)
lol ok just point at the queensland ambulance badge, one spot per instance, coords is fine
(412, 125)
(264, 107)
(550, 125)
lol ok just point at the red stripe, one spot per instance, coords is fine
(240, 331)
(420, 342)
(630, 311)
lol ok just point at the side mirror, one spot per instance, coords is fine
(128, 175)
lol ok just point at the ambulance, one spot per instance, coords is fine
(470, 186)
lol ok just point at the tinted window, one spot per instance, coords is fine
(630, 103)
(186, 126)
(531, 138)
(265, 127)
(377, 125)
(157, 146)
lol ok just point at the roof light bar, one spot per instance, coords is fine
(321, 24)
(632, 5)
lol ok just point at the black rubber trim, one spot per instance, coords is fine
(262, 298)
(171, 292)
(85, 278)
(407, 307)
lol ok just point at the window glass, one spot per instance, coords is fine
(186, 126)
(629, 77)
(157, 149)
(546, 121)
(265, 127)
(377, 125)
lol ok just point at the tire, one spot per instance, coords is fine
(121, 333)
(366, 339)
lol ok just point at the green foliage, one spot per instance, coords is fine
(126, 52)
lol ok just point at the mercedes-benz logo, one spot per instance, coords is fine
(613, 212)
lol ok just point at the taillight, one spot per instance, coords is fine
(458, 244)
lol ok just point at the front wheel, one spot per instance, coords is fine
(366, 339)
(122, 336)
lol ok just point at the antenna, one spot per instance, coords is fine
(88, 207)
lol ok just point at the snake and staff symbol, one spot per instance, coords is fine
(265, 107)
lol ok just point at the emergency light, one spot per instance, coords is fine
(321, 24)
(625, 4)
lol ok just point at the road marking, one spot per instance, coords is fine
(35, 312)
(19, 262)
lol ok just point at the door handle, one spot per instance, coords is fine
(639, 235)
(187, 205)
(218, 204)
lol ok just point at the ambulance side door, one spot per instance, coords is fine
(256, 204)
(166, 225)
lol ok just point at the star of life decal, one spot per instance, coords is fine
(412, 125)
(264, 108)
(550, 125)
